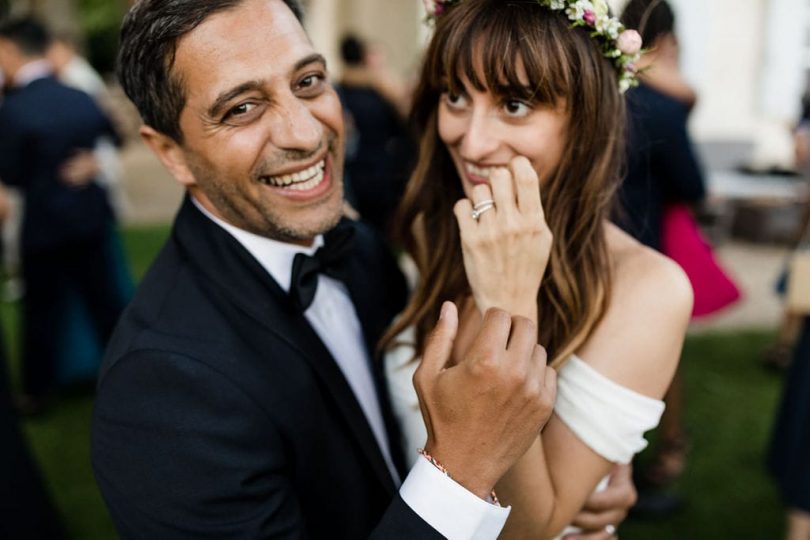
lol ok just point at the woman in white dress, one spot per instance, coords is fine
(521, 113)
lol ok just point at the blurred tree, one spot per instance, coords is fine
(100, 21)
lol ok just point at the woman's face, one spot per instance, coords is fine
(483, 131)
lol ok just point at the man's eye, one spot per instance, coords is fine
(241, 110)
(310, 80)
(312, 83)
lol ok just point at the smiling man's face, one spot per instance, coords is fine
(262, 128)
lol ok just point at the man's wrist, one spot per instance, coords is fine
(472, 480)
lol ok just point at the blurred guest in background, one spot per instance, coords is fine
(379, 149)
(779, 355)
(662, 166)
(789, 456)
(67, 216)
(73, 69)
(789, 459)
(26, 510)
(80, 355)
(662, 169)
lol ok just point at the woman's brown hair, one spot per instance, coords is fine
(481, 41)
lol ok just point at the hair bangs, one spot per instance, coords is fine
(511, 49)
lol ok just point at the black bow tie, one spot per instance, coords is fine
(330, 259)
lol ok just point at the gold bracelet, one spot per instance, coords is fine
(443, 469)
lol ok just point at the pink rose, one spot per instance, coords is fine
(629, 42)
(589, 17)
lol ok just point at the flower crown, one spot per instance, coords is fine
(620, 45)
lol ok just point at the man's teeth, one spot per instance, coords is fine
(483, 172)
(300, 181)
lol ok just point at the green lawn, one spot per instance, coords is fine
(731, 402)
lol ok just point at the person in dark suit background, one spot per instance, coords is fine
(380, 149)
(26, 509)
(662, 166)
(66, 220)
(238, 397)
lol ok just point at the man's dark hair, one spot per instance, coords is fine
(149, 37)
(28, 34)
(652, 19)
(352, 50)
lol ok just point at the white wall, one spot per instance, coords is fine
(394, 25)
(746, 58)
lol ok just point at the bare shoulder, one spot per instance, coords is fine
(646, 278)
(638, 342)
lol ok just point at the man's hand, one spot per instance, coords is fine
(81, 169)
(483, 413)
(605, 510)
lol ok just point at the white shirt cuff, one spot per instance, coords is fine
(448, 507)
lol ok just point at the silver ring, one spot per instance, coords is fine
(482, 204)
(610, 529)
(480, 208)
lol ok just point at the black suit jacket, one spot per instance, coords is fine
(41, 126)
(662, 166)
(221, 414)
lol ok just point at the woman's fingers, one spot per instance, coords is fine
(503, 191)
(527, 186)
(463, 211)
(483, 204)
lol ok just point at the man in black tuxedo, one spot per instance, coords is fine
(237, 398)
(66, 221)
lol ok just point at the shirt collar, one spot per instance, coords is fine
(275, 256)
(30, 72)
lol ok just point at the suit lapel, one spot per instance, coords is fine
(241, 280)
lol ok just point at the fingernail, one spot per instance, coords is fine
(445, 307)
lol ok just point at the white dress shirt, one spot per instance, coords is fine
(441, 502)
(30, 72)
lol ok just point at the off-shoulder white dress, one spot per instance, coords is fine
(608, 417)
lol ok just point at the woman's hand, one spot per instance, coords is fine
(506, 249)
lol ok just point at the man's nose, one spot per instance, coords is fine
(295, 127)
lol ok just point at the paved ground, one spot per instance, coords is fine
(755, 267)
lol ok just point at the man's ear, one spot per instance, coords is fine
(170, 154)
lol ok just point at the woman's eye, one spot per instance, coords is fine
(516, 108)
(456, 101)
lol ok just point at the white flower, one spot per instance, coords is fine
(577, 11)
(430, 7)
(601, 8)
(556, 4)
(608, 26)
